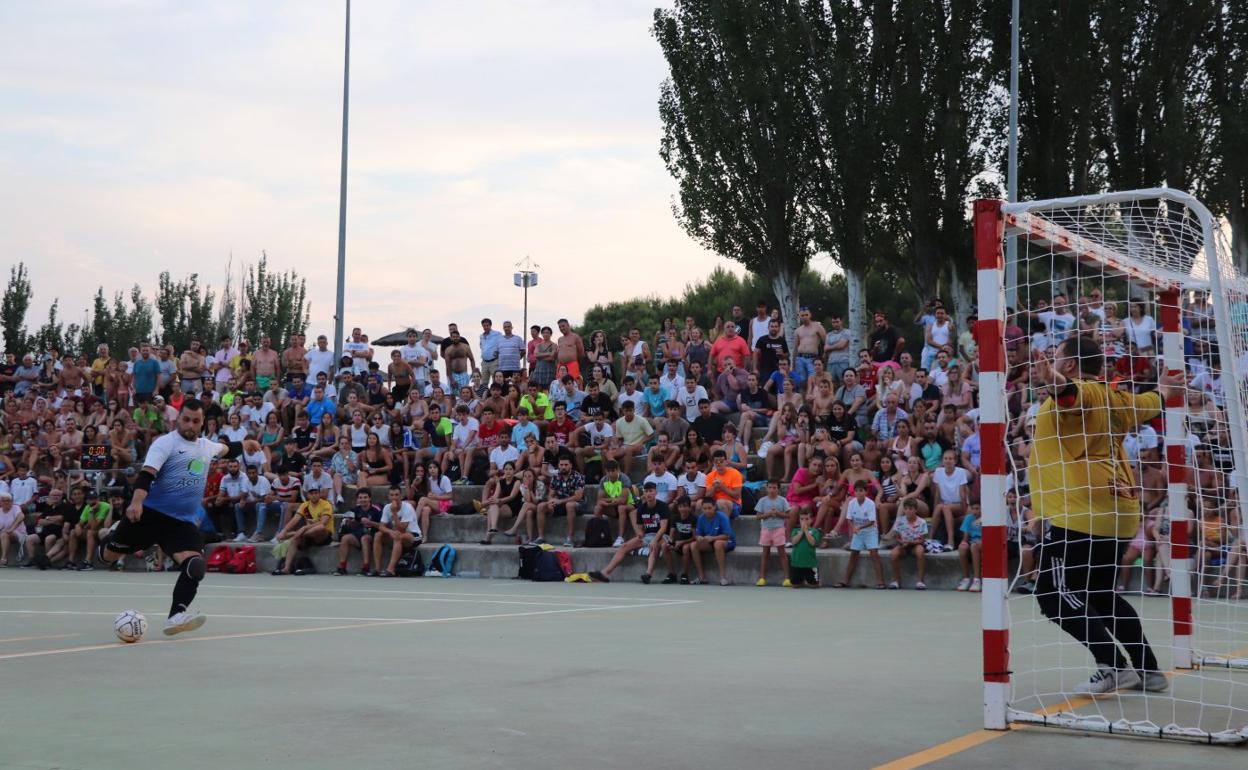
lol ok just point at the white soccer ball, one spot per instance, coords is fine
(130, 626)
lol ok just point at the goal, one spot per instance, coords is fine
(1146, 274)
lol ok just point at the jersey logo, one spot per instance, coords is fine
(196, 466)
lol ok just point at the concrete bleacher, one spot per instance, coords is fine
(501, 559)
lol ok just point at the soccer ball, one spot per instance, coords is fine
(130, 626)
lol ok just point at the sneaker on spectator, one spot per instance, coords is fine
(567, 542)
(340, 571)
(920, 586)
(619, 541)
(761, 582)
(893, 585)
(964, 584)
(695, 582)
(684, 580)
(724, 581)
(671, 578)
(256, 538)
(273, 541)
(240, 537)
(85, 566)
(537, 541)
(976, 586)
(598, 577)
(118, 565)
(645, 578)
(787, 583)
(1107, 680)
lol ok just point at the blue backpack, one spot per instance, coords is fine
(442, 562)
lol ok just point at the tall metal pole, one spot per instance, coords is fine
(1011, 178)
(342, 197)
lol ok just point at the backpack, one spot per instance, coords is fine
(442, 563)
(549, 569)
(410, 564)
(529, 555)
(479, 471)
(597, 532)
(218, 559)
(749, 499)
(565, 562)
(243, 562)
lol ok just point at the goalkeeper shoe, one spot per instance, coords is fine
(1152, 681)
(1107, 680)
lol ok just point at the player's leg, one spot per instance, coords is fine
(1124, 623)
(182, 540)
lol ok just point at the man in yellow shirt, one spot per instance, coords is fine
(1082, 485)
(312, 525)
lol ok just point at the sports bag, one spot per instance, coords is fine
(410, 564)
(529, 556)
(243, 562)
(597, 532)
(219, 557)
(442, 563)
(548, 568)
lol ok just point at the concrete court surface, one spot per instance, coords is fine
(350, 672)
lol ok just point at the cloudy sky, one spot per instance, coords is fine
(143, 135)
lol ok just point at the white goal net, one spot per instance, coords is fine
(1119, 393)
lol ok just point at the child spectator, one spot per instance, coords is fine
(713, 532)
(804, 565)
(772, 511)
(911, 532)
(860, 513)
(969, 550)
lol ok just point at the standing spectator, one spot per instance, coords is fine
(803, 565)
(772, 512)
(488, 345)
(864, 524)
(145, 374)
(731, 346)
(320, 359)
(768, 350)
(809, 338)
(937, 335)
(510, 352)
(884, 342)
(359, 350)
(837, 348)
(758, 324)
(458, 358)
(571, 349)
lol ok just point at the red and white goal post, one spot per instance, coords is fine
(1161, 258)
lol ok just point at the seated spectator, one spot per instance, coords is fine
(712, 532)
(952, 495)
(12, 526)
(615, 498)
(400, 527)
(532, 494)
(632, 433)
(723, 485)
(436, 500)
(647, 521)
(97, 516)
(566, 489)
(499, 497)
(311, 526)
(356, 531)
(257, 497)
(911, 534)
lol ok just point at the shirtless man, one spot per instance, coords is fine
(73, 378)
(809, 337)
(293, 361)
(399, 375)
(460, 363)
(571, 350)
(265, 364)
(193, 366)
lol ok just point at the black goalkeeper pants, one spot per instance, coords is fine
(1076, 591)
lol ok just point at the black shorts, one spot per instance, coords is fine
(155, 528)
(360, 532)
(804, 576)
(51, 530)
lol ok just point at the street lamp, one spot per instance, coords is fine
(525, 278)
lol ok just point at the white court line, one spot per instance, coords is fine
(502, 584)
(288, 631)
(234, 598)
(35, 638)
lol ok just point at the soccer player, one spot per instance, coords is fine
(1083, 486)
(168, 495)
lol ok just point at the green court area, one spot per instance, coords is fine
(336, 672)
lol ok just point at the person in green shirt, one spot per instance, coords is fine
(616, 498)
(803, 562)
(96, 515)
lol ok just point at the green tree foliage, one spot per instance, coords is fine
(186, 312)
(275, 304)
(125, 323)
(13, 307)
(1228, 82)
(714, 297)
(735, 133)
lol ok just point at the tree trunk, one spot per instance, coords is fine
(784, 286)
(856, 316)
(1239, 237)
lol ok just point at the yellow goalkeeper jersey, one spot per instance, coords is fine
(1079, 474)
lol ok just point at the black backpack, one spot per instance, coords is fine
(597, 532)
(749, 500)
(548, 568)
(479, 471)
(410, 564)
(529, 556)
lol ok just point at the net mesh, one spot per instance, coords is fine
(1099, 268)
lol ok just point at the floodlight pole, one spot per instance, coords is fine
(342, 196)
(1011, 177)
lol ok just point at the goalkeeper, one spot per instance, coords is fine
(1083, 486)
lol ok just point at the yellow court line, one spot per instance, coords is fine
(980, 737)
(34, 638)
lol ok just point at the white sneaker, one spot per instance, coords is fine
(1151, 681)
(240, 538)
(964, 584)
(619, 541)
(274, 541)
(183, 621)
(976, 586)
(1107, 680)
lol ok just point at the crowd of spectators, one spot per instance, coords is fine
(681, 430)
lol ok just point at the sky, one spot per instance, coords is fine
(142, 135)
